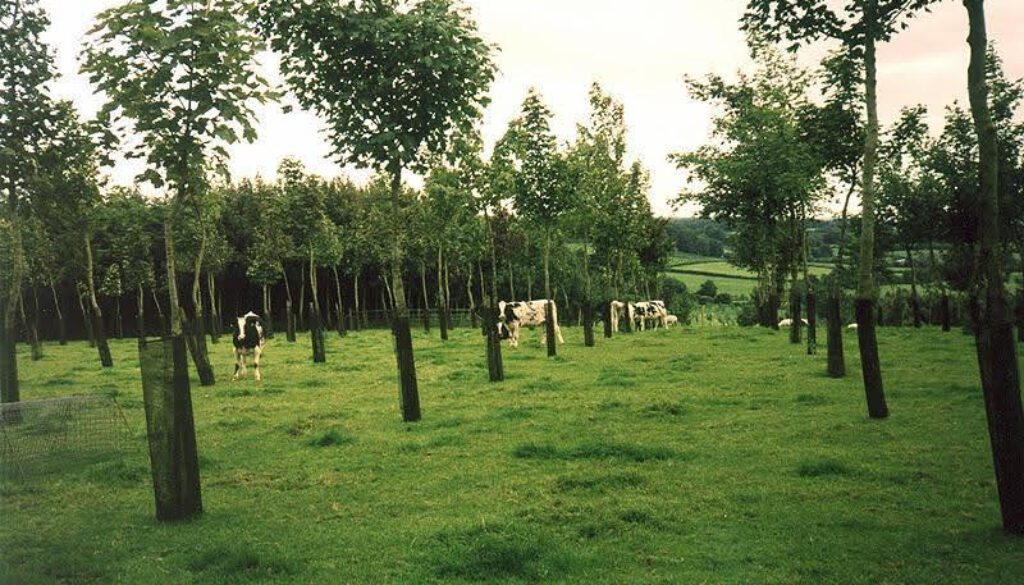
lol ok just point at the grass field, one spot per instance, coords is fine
(695, 270)
(681, 456)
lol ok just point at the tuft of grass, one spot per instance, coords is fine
(601, 483)
(491, 553)
(542, 384)
(330, 438)
(535, 451)
(672, 409)
(812, 399)
(118, 473)
(613, 378)
(237, 563)
(824, 468)
(595, 450)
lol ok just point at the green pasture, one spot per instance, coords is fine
(688, 455)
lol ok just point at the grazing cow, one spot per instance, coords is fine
(248, 337)
(671, 320)
(649, 312)
(789, 322)
(620, 310)
(516, 315)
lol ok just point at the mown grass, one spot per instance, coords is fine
(682, 456)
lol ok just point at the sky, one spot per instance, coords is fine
(639, 51)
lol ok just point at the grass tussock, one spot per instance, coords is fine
(499, 552)
(595, 450)
(824, 468)
(238, 563)
(330, 438)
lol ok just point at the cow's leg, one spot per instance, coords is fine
(241, 358)
(257, 353)
(238, 360)
(558, 333)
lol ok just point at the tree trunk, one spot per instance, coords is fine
(140, 316)
(836, 356)
(60, 315)
(870, 365)
(268, 312)
(164, 326)
(495, 365)
(355, 299)
(469, 295)
(215, 322)
(316, 335)
(197, 327)
(340, 310)
(426, 299)
(289, 311)
(86, 317)
(915, 300)
(32, 326)
(301, 325)
(9, 390)
(812, 321)
(511, 280)
(441, 303)
(549, 308)
(97, 315)
(447, 294)
(997, 353)
(409, 397)
(118, 318)
(588, 299)
(9, 384)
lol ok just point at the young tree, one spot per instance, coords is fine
(181, 75)
(859, 25)
(997, 353)
(26, 66)
(393, 85)
(542, 192)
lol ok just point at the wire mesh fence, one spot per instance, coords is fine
(40, 436)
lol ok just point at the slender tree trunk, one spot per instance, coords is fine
(469, 295)
(33, 332)
(409, 397)
(426, 299)
(495, 365)
(915, 300)
(289, 309)
(9, 384)
(302, 299)
(164, 326)
(511, 280)
(836, 357)
(172, 278)
(342, 331)
(37, 344)
(441, 303)
(355, 297)
(588, 297)
(197, 326)
(118, 317)
(60, 315)
(997, 353)
(97, 315)
(215, 317)
(549, 321)
(140, 315)
(86, 317)
(268, 311)
(447, 294)
(944, 302)
(865, 303)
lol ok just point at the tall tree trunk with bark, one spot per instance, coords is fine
(441, 302)
(997, 353)
(97, 315)
(409, 396)
(62, 324)
(340, 309)
(32, 326)
(86, 317)
(9, 384)
(215, 322)
(196, 338)
(865, 302)
(549, 307)
(915, 300)
(495, 365)
(140, 315)
(588, 298)
(426, 299)
(289, 308)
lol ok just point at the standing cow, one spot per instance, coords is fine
(619, 310)
(248, 337)
(653, 312)
(516, 315)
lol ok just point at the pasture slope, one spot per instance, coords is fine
(682, 456)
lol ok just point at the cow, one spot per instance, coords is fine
(789, 322)
(513, 316)
(619, 310)
(248, 337)
(851, 326)
(671, 320)
(649, 311)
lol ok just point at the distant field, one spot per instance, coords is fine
(728, 278)
(733, 286)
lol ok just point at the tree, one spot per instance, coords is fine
(542, 191)
(393, 86)
(181, 75)
(762, 175)
(997, 353)
(26, 67)
(860, 25)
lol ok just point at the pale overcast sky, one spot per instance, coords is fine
(639, 51)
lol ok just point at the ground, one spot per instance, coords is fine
(693, 455)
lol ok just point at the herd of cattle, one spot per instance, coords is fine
(248, 334)
(513, 316)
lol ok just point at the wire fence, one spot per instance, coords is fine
(44, 435)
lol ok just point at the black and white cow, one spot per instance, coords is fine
(516, 315)
(248, 337)
(645, 312)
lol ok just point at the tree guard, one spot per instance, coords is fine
(549, 327)
(170, 429)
